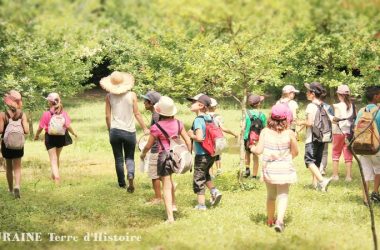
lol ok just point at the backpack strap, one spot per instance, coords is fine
(250, 115)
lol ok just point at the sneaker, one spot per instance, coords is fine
(324, 185)
(219, 172)
(375, 197)
(279, 227)
(216, 196)
(247, 173)
(200, 207)
(335, 178)
(16, 193)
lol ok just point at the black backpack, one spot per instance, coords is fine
(255, 129)
(322, 127)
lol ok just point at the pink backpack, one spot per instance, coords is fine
(14, 133)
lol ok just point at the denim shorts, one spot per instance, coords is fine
(314, 153)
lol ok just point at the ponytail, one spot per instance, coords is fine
(347, 101)
(58, 108)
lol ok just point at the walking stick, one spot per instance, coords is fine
(373, 228)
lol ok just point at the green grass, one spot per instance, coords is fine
(89, 201)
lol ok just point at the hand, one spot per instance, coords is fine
(300, 123)
(76, 136)
(190, 133)
(36, 137)
(142, 156)
(252, 148)
(146, 131)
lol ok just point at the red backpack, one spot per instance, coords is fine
(214, 142)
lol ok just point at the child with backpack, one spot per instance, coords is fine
(13, 127)
(287, 97)
(318, 132)
(278, 144)
(167, 127)
(218, 119)
(203, 159)
(370, 163)
(56, 123)
(150, 99)
(330, 112)
(255, 121)
(342, 131)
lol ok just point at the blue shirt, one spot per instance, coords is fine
(199, 123)
(369, 107)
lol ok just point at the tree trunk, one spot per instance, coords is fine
(242, 126)
(31, 131)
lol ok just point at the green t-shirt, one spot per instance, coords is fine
(255, 114)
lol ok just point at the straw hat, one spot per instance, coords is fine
(165, 106)
(118, 82)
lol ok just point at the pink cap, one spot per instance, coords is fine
(289, 89)
(12, 98)
(53, 97)
(343, 89)
(280, 112)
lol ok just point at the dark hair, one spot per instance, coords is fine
(255, 105)
(277, 125)
(371, 91)
(347, 100)
(163, 117)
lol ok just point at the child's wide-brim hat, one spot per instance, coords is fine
(165, 106)
(118, 82)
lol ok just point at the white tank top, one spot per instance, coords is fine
(122, 116)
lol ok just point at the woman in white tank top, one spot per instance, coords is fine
(121, 111)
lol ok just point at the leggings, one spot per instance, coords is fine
(277, 192)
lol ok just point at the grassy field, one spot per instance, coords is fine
(89, 201)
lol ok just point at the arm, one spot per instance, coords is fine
(70, 129)
(2, 122)
(39, 130)
(186, 138)
(25, 124)
(293, 144)
(108, 113)
(137, 114)
(147, 147)
(308, 122)
(197, 136)
(259, 148)
(228, 131)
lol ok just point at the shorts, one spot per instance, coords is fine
(11, 153)
(54, 141)
(202, 165)
(164, 167)
(370, 165)
(314, 153)
(152, 166)
(218, 158)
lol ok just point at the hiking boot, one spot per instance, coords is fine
(324, 185)
(279, 227)
(16, 193)
(247, 173)
(375, 197)
(216, 196)
(200, 207)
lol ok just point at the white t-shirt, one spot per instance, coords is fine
(292, 105)
(311, 110)
(342, 112)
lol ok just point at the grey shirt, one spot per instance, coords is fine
(155, 118)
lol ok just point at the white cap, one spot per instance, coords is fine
(213, 102)
(289, 89)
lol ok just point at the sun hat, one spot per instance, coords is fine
(289, 89)
(254, 99)
(165, 106)
(152, 96)
(12, 98)
(202, 98)
(343, 89)
(214, 103)
(280, 112)
(118, 82)
(54, 98)
(315, 87)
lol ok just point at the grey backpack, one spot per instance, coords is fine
(14, 133)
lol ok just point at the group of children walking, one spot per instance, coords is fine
(274, 137)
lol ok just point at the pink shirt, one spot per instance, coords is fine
(46, 116)
(171, 128)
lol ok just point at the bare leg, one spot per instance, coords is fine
(168, 196)
(173, 192)
(255, 164)
(54, 164)
(156, 183)
(377, 183)
(271, 202)
(335, 170)
(9, 170)
(17, 172)
(247, 159)
(315, 172)
(348, 171)
(365, 187)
